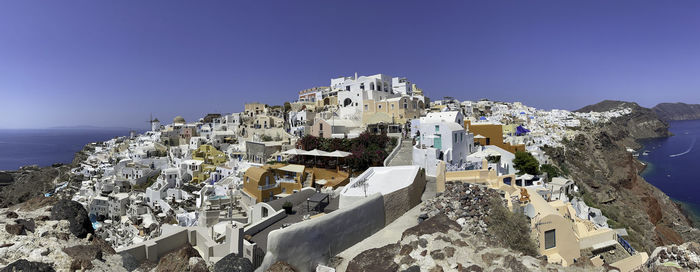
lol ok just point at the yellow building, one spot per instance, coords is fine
(491, 134)
(272, 181)
(397, 110)
(267, 182)
(210, 158)
(210, 155)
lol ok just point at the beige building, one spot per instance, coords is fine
(252, 109)
(398, 110)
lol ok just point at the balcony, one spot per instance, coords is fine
(267, 187)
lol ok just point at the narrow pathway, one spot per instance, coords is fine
(404, 156)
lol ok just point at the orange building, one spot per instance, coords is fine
(491, 134)
(268, 182)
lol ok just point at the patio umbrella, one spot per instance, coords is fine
(338, 154)
(317, 153)
(294, 151)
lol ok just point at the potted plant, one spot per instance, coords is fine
(287, 207)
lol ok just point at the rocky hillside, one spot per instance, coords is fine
(677, 111)
(32, 181)
(468, 228)
(607, 105)
(609, 177)
(29, 182)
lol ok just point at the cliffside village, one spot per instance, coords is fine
(248, 183)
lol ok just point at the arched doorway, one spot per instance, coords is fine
(347, 102)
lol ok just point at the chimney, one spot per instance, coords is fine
(355, 75)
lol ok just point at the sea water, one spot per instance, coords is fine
(44, 147)
(674, 165)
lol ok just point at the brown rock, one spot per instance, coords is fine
(438, 223)
(15, 229)
(514, 264)
(103, 246)
(407, 260)
(376, 259)
(12, 214)
(488, 258)
(406, 249)
(437, 268)
(177, 260)
(449, 251)
(83, 255)
(460, 243)
(473, 268)
(280, 266)
(437, 255)
(424, 252)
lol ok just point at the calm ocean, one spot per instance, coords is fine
(19, 147)
(672, 163)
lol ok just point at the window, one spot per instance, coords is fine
(392, 106)
(455, 137)
(437, 128)
(366, 107)
(379, 87)
(347, 88)
(362, 86)
(371, 86)
(379, 106)
(550, 240)
(264, 211)
(405, 105)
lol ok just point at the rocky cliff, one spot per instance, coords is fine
(677, 111)
(609, 178)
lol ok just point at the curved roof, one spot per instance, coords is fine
(255, 172)
(179, 120)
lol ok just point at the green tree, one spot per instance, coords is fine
(525, 163)
(551, 170)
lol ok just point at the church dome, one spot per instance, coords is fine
(179, 120)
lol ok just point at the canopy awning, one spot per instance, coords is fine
(526, 177)
(294, 151)
(339, 154)
(317, 152)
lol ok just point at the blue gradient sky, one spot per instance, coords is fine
(112, 63)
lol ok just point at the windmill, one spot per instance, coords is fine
(155, 123)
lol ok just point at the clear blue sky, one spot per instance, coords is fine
(112, 63)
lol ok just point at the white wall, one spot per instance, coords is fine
(426, 159)
(308, 243)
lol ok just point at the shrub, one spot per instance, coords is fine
(512, 229)
(551, 170)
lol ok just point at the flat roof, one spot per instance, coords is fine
(295, 168)
(382, 180)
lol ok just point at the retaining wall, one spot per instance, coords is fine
(307, 243)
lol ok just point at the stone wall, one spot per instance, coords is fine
(399, 202)
(308, 243)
